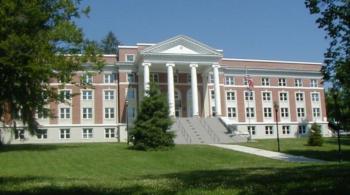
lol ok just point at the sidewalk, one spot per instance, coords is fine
(269, 154)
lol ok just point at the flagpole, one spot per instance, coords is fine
(249, 91)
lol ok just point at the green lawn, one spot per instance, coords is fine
(298, 146)
(114, 169)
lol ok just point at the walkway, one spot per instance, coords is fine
(269, 154)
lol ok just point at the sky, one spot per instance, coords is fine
(249, 29)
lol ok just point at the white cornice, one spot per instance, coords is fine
(145, 44)
(127, 47)
(273, 61)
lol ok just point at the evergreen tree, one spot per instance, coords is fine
(110, 43)
(315, 135)
(36, 37)
(151, 126)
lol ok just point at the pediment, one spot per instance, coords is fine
(181, 45)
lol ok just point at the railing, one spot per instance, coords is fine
(184, 132)
(210, 131)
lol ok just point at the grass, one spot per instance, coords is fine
(196, 169)
(328, 152)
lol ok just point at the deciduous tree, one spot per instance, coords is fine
(334, 18)
(39, 41)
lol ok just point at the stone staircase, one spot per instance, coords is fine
(195, 130)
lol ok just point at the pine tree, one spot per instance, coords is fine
(315, 136)
(151, 126)
(110, 43)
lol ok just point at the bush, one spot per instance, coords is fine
(315, 136)
(151, 126)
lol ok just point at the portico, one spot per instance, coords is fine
(185, 55)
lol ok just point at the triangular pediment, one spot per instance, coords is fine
(181, 45)
(179, 49)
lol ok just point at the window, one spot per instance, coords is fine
(248, 95)
(266, 96)
(41, 133)
(109, 78)
(229, 80)
(19, 134)
(131, 93)
(109, 95)
(130, 57)
(43, 115)
(131, 112)
(65, 94)
(265, 81)
(176, 78)
(110, 133)
(87, 78)
(283, 96)
(155, 77)
(230, 95)
(64, 133)
(87, 113)
(313, 83)
(245, 81)
(188, 78)
(131, 77)
(301, 129)
(268, 130)
(87, 95)
(299, 96)
(315, 97)
(285, 130)
(213, 110)
(231, 112)
(298, 82)
(282, 82)
(65, 113)
(87, 133)
(250, 112)
(212, 94)
(109, 113)
(267, 112)
(301, 112)
(316, 112)
(251, 130)
(211, 78)
(284, 112)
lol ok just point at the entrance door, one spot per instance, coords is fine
(178, 107)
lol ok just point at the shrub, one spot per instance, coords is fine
(151, 126)
(315, 136)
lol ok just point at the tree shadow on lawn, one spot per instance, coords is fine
(312, 179)
(35, 147)
(330, 155)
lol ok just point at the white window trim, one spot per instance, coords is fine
(126, 57)
(104, 94)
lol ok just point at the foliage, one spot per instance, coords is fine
(152, 123)
(334, 18)
(337, 109)
(110, 43)
(315, 136)
(39, 41)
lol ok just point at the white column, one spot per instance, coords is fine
(194, 89)
(146, 76)
(171, 90)
(217, 89)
